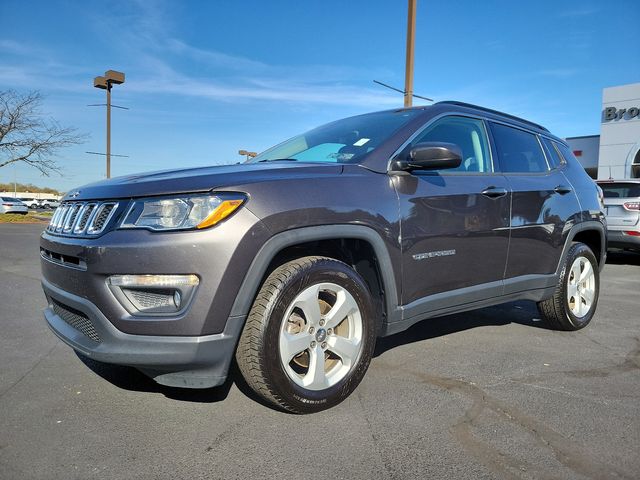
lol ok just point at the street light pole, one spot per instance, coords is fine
(411, 37)
(111, 77)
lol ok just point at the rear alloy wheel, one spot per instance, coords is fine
(309, 336)
(574, 301)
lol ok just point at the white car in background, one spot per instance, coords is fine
(622, 209)
(49, 203)
(30, 202)
(13, 205)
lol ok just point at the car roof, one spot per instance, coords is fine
(471, 106)
(462, 107)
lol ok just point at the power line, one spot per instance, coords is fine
(403, 91)
(104, 105)
(104, 154)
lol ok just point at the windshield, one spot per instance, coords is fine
(343, 141)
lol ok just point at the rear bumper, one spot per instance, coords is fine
(192, 362)
(617, 239)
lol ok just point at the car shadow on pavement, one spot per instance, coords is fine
(620, 257)
(520, 312)
(129, 378)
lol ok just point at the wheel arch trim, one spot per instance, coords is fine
(582, 227)
(251, 283)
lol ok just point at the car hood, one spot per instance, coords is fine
(202, 179)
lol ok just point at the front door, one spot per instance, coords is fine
(454, 222)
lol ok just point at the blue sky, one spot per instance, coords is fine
(207, 78)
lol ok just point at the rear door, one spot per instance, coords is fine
(543, 204)
(454, 222)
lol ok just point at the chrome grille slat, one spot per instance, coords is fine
(71, 217)
(54, 220)
(101, 217)
(63, 217)
(82, 219)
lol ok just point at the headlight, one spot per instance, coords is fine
(181, 213)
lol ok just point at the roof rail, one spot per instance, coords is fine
(496, 112)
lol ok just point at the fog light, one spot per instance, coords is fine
(154, 294)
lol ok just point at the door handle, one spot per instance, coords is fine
(562, 189)
(494, 192)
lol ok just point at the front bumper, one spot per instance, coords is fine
(192, 348)
(192, 362)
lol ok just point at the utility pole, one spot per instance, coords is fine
(108, 130)
(111, 77)
(411, 37)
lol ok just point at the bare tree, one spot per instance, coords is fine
(27, 136)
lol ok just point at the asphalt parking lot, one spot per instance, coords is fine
(485, 394)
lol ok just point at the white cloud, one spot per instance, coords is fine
(152, 60)
(559, 72)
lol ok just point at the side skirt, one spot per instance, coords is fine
(531, 287)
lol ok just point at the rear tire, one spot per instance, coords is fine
(576, 297)
(309, 336)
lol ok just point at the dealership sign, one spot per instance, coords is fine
(612, 113)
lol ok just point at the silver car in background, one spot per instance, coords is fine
(622, 209)
(13, 205)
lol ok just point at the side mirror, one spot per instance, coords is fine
(430, 156)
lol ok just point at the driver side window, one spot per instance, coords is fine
(467, 133)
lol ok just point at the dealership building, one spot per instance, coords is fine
(615, 153)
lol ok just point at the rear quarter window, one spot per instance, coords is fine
(518, 151)
(553, 153)
(565, 152)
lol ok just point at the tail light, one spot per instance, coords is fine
(600, 195)
(633, 233)
(632, 206)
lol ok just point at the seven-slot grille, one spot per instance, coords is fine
(82, 218)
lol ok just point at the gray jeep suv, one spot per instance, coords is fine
(297, 260)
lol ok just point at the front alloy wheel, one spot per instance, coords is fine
(309, 336)
(320, 336)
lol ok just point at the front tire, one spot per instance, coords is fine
(309, 336)
(574, 302)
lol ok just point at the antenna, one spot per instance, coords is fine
(403, 91)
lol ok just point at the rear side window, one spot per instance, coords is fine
(467, 133)
(620, 190)
(518, 151)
